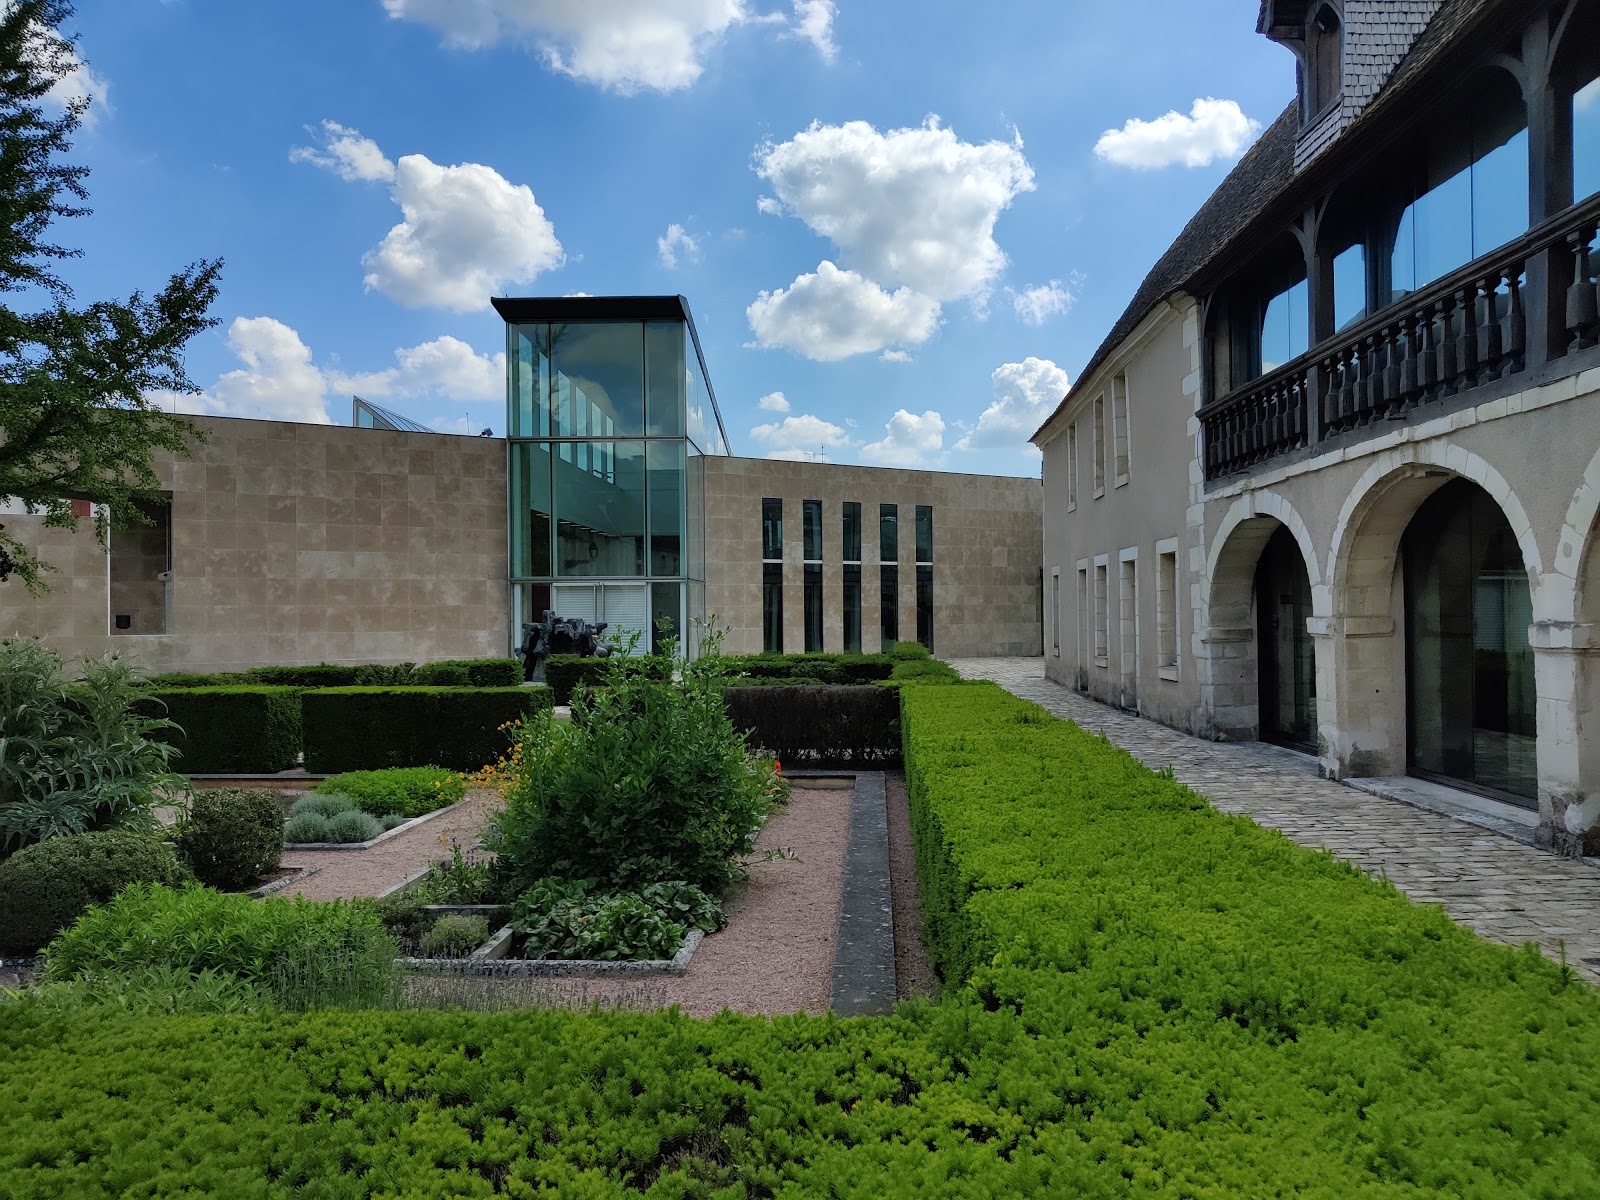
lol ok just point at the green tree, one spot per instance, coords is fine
(75, 418)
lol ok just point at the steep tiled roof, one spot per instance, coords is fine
(1267, 172)
(1377, 35)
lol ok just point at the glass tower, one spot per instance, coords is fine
(609, 415)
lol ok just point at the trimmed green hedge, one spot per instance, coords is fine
(363, 728)
(563, 673)
(398, 791)
(1146, 998)
(818, 725)
(454, 672)
(237, 729)
(823, 668)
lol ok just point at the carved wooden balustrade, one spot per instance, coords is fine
(1458, 333)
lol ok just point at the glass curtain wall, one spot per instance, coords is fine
(607, 490)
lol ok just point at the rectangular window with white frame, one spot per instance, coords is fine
(1072, 466)
(1102, 645)
(1167, 608)
(1119, 428)
(1099, 446)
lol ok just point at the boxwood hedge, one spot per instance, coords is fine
(233, 729)
(1144, 997)
(362, 728)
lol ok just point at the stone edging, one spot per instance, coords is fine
(490, 960)
(405, 827)
(863, 958)
(298, 875)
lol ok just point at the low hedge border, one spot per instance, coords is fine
(362, 728)
(818, 725)
(453, 672)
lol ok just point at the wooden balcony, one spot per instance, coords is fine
(1456, 335)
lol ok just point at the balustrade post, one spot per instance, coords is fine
(1447, 349)
(1516, 322)
(1489, 332)
(1583, 300)
(1467, 348)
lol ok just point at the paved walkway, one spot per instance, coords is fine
(1506, 891)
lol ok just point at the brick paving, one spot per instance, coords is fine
(1506, 891)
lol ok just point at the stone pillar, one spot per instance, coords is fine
(1567, 677)
(1229, 690)
(1361, 701)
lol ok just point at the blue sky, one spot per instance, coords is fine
(899, 225)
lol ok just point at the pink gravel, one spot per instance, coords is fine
(370, 872)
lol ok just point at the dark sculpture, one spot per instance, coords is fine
(559, 635)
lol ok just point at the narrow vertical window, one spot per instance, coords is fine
(1099, 446)
(852, 577)
(1072, 466)
(1167, 608)
(811, 536)
(1128, 628)
(141, 571)
(925, 575)
(889, 574)
(1083, 623)
(1119, 426)
(1101, 640)
(1055, 611)
(772, 576)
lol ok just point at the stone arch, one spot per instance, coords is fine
(1573, 582)
(1226, 636)
(1364, 715)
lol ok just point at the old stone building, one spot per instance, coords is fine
(1332, 479)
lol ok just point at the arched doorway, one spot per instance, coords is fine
(1471, 703)
(1287, 678)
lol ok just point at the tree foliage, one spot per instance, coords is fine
(77, 420)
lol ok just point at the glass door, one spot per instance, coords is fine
(1287, 657)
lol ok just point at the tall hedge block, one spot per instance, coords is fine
(366, 728)
(817, 724)
(235, 729)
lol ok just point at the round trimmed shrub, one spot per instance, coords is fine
(392, 821)
(307, 827)
(454, 935)
(232, 836)
(353, 827)
(46, 886)
(328, 806)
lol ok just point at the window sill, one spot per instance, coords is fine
(1122, 481)
(1101, 661)
(1098, 492)
(1170, 674)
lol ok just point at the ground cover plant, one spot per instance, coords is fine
(1143, 997)
(333, 819)
(406, 791)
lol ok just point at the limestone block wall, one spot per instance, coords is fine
(299, 543)
(986, 558)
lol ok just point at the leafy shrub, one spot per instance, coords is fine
(307, 828)
(153, 991)
(908, 651)
(362, 728)
(649, 781)
(44, 887)
(565, 673)
(354, 826)
(573, 919)
(299, 949)
(238, 729)
(454, 936)
(231, 836)
(167, 680)
(322, 804)
(410, 791)
(465, 879)
(77, 756)
(393, 821)
(819, 724)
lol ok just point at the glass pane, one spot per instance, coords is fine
(811, 530)
(599, 375)
(888, 534)
(530, 509)
(1286, 327)
(852, 610)
(625, 607)
(665, 377)
(1586, 141)
(665, 621)
(1443, 228)
(771, 528)
(924, 533)
(600, 515)
(772, 608)
(1350, 287)
(852, 531)
(695, 516)
(701, 413)
(530, 381)
(889, 605)
(925, 607)
(1285, 649)
(813, 608)
(1403, 261)
(1500, 195)
(666, 507)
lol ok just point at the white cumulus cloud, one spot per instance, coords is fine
(677, 243)
(1036, 305)
(466, 233)
(1213, 129)
(895, 356)
(832, 314)
(913, 210)
(348, 154)
(1025, 393)
(775, 402)
(280, 380)
(77, 83)
(909, 441)
(626, 46)
(801, 438)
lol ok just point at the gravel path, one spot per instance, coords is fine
(348, 873)
(913, 969)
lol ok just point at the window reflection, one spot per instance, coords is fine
(1349, 287)
(599, 378)
(1586, 140)
(1285, 327)
(600, 515)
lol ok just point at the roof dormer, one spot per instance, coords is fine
(1313, 31)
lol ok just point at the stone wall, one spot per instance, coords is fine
(297, 543)
(986, 553)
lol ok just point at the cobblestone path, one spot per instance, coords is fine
(1507, 891)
